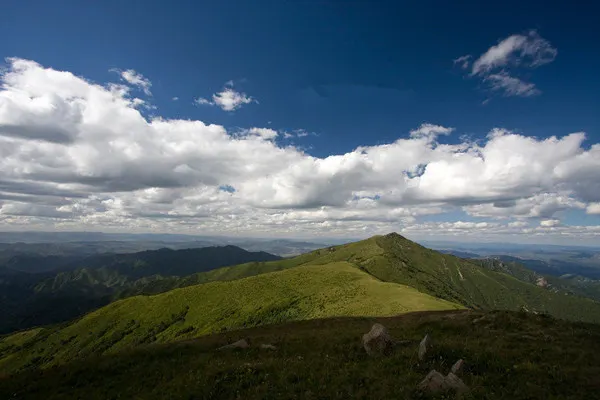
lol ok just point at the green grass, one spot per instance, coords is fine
(507, 356)
(381, 276)
(393, 258)
(305, 292)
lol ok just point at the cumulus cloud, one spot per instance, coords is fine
(80, 155)
(499, 64)
(544, 205)
(228, 99)
(135, 79)
(263, 133)
(593, 208)
(550, 223)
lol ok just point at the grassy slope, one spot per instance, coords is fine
(460, 281)
(324, 284)
(306, 292)
(507, 356)
(392, 258)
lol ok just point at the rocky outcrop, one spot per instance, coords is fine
(378, 341)
(541, 282)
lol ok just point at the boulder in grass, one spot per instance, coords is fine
(435, 383)
(240, 344)
(424, 346)
(378, 341)
(453, 382)
(457, 368)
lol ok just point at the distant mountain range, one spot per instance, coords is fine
(38, 290)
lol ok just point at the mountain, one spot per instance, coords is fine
(393, 258)
(566, 284)
(87, 283)
(85, 244)
(508, 355)
(383, 275)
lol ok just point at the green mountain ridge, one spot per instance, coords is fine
(393, 258)
(383, 275)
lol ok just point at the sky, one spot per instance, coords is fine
(301, 119)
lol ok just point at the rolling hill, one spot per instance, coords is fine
(305, 292)
(383, 275)
(393, 258)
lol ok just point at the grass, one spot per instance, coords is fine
(306, 292)
(392, 258)
(378, 277)
(508, 356)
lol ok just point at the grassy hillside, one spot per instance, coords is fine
(383, 275)
(393, 258)
(507, 356)
(306, 292)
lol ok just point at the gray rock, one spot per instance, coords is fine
(378, 341)
(240, 344)
(435, 382)
(424, 346)
(453, 382)
(457, 367)
(268, 347)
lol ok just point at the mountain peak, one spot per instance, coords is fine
(394, 235)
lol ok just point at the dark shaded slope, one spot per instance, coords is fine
(507, 356)
(35, 299)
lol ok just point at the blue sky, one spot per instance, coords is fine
(328, 77)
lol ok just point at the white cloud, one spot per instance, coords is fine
(593, 208)
(430, 131)
(550, 223)
(136, 79)
(510, 85)
(175, 98)
(529, 50)
(544, 205)
(498, 66)
(228, 99)
(79, 155)
(463, 61)
(298, 133)
(517, 224)
(264, 133)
